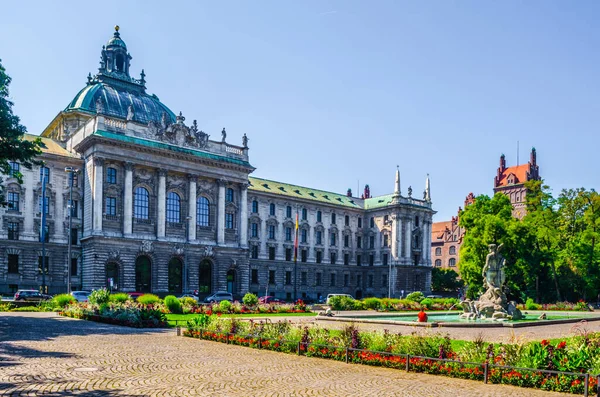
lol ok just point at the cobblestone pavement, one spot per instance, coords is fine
(42, 354)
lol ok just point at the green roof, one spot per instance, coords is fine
(378, 202)
(166, 146)
(300, 192)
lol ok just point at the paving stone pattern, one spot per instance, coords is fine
(43, 354)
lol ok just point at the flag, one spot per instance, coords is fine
(296, 240)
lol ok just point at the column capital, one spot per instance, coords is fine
(162, 172)
(244, 185)
(129, 166)
(221, 182)
(99, 160)
(192, 178)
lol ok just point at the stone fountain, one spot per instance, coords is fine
(492, 305)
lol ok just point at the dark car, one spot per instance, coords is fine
(30, 295)
(218, 297)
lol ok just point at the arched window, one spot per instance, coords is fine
(452, 262)
(272, 209)
(254, 206)
(112, 274)
(229, 195)
(205, 277)
(175, 276)
(438, 263)
(438, 251)
(140, 203)
(202, 212)
(173, 208)
(452, 250)
(143, 274)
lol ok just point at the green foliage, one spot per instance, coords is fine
(99, 296)
(427, 303)
(12, 145)
(225, 306)
(173, 304)
(341, 302)
(372, 303)
(148, 299)
(530, 305)
(120, 297)
(445, 280)
(25, 309)
(63, 300)
(416, 296)
(6, 307)
(187, 301)
(250, 299)
(201, 321)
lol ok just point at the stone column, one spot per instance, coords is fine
(192, 208)
(244, 216)
(427, 244)
(59, 211)
(407, 240)
(29, 208)
(394, 238)
(162, 204)
(128, 200)
(97, 194)
(221, 213)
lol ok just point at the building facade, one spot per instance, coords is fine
(160, 207)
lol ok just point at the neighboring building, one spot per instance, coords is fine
(446, 239)
(159, 207)
(511, 182)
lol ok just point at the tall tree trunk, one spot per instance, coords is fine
(555, 281)
(537, 289)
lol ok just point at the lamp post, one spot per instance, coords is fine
(71, 171)
(389, 223)
(185, 249)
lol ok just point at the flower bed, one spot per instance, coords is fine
(128, 313)
(562, 366)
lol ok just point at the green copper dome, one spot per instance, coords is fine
(116, 39)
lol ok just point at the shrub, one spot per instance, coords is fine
(225, 306)
(121, 297)
(6, 307)
(531, 305)
(340, 302)
(148, 299)
(25, 309)
(173, 304)
(415, 296)
(250, 299)
(372, 303)
(99, 296)
(427, 303)
(63, 300)
(188, 301)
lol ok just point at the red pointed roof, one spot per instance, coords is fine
(519, 172)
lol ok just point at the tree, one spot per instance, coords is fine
(12, 145)
(445, 280)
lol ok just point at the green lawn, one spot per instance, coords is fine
(184, 317)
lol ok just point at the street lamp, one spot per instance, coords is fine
(71, 171)
(185, 248)
(389, 223)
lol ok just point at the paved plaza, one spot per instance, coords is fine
(43, 354)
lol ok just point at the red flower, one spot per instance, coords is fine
(545, 342)
(219, 314)
(562, 345)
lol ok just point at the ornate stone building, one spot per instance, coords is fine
(159, 206)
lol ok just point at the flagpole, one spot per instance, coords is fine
(296, 260)
(43, 231)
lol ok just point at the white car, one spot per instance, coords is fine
(194, 297)
(81, 296)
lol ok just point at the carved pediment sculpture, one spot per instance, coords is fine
(178, 250)
(208, 251)
(114, 255)
(146, 247)
(196, 137)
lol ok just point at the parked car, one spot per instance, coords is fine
(30, 295)
(194, 297)
(81, 296)
(218, 297)
(269, 300)
(135, 295)
(332, 295)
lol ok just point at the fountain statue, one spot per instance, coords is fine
(492, 305)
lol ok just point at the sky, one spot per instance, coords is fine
(336, 94)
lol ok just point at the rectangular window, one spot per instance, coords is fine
(346, 241)
(371, 242)
(303, 278)
(14, 168)
(358, 280)
(288, 278)
(288, 234)
(74, 208)
(319, 237)
(371, 259)
(46, 264)
(255, 252)
(288, 254)
(13, 201)
(333, 257)
(46, 205)
(229, 195)
(319, 256)
(74, 236)
(229, 221)
(319, 216)
(13, 230)
(254, 206)
(358, 242)
(73, 266)
(385, 259)
(347, 220)
(272, 209)
(370, 281)
(333, 218)
(272, 232)
(111, 175)
(303, 255)
(271, 253)
(46, 236)
(304, 235)
(358, 260)
(384, 280)
(346, 280)
(288, 211)
(332, 280)
(332, 239)
(45, 172)
(304, 214)
(319, 279)
(254, 230)
(385, 240)
(271, 276)
(13, 263)
(346, 259)
(254, 279)
(110, 207)
(359, 222)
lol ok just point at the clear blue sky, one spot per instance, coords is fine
(332, 92)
